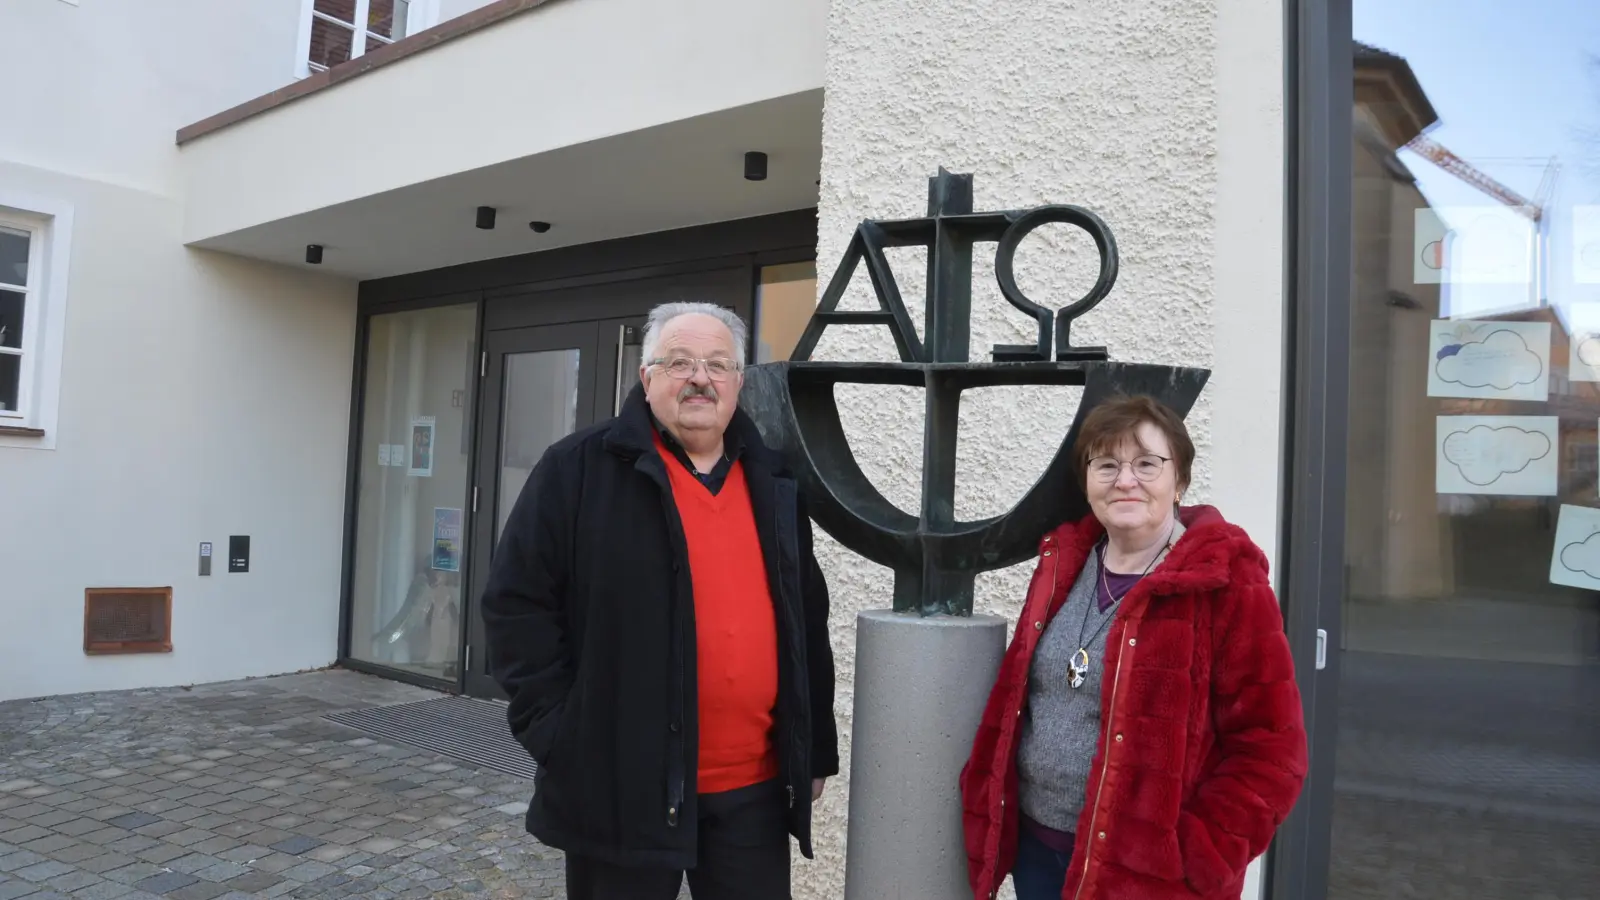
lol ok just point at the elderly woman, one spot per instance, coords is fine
(1144, 738)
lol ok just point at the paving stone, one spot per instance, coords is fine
(165, 882)
(77, 853)
(44, 871)
(105, 862)
(49, 844)
(160, 828)
(133, 820)
(73, 881)
(19, 859)
(252, 882)
(297, 844)
(161, 853)
(102, 890)
(200, 890)
(309, 870)
(11, 890)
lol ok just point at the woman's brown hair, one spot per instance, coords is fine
(1117, 420)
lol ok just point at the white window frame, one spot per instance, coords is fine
(49, 222)
(420, 16)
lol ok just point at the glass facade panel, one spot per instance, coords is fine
(1468, 756)
(785, 301)
(410, 516)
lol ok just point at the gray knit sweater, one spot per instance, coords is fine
(1062, 723)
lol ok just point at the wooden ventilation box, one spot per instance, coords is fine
(127, 620)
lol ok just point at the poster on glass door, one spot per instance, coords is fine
(1509, 455)
(446, 539)
(1480, 360)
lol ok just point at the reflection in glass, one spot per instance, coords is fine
(12, 304)
(1468, 756)
(630, 356)
(540, 407)
(785, 300)
(14, 246)
(330, 43)
(410, 515)
(10, 381)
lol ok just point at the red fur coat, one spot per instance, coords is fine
(1207, 746)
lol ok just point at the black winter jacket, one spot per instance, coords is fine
(589, 614)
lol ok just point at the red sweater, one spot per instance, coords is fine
(1202, 747)
(736, 636)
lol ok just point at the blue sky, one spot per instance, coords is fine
(1513, 86)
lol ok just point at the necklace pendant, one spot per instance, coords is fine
(1078, 669)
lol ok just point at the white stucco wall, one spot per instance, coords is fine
(200, 395)
(1165, 117)
(139, 72)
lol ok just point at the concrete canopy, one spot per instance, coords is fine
(564, 113)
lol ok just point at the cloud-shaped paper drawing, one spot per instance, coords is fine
(1589, 350)
(1583, 556)
(1502, 361)
(1483, 454)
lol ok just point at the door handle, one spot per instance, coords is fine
(1322, 648)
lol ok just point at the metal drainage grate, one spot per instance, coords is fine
(472, 731)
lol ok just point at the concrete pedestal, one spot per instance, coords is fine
(921, 684)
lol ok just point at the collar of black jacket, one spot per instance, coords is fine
(633, 433)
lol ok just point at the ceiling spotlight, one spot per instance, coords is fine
(314, 254)
(539, 227)
(485, 217)
(755, 166)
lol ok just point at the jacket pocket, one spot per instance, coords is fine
(561, 732)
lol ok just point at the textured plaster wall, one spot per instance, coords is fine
(1113, 105)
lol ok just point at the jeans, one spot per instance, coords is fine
(1040, 872)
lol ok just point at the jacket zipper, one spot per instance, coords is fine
(1105, 766)
(1055, 563)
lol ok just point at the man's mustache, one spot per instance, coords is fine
(697, 390)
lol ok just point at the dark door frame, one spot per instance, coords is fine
(485, 511)
(745, 245)
(1318, 102)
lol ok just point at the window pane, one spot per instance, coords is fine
(343, 10)
(784, 303)
(411, 519)
(14, 256)
(1468, 750)
(541, 407)
(10, 380)
(330, 43)
(11, 306)
(387, 18)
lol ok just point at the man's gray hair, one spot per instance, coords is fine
(666, 312)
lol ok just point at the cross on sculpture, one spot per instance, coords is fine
(936, 557)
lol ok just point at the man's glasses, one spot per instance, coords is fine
(717, 368)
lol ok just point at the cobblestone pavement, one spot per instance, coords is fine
(243, 790)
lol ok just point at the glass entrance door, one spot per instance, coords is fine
(539, 386)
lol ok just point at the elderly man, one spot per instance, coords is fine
(659, 621)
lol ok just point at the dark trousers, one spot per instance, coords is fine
(744, 855)
(1041, 872)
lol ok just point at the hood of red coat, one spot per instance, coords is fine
(1211, 553)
